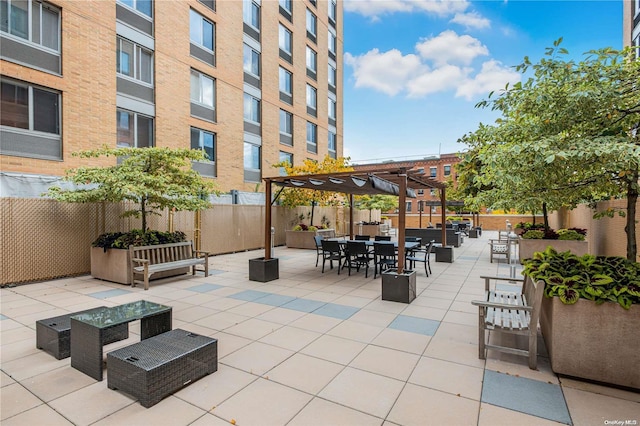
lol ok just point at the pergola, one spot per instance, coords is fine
(402, 182)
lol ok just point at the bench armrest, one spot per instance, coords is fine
(487, 280)
(201, 252)
(483, 304)
(140, 261)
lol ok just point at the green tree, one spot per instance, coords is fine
(380, 202)
(567, 135)
(154, 178)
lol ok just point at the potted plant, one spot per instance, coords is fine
(301, 236)
(536, 239)
(152, 180)
(590, 315)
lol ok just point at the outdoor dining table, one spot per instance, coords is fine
(88, 330)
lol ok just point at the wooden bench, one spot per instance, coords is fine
(147, 260)
(510, 313)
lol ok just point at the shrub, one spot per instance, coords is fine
(570, 234)
(137, 237)
(533, 234)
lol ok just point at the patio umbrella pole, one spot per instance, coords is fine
(267, 219)
(402, 201)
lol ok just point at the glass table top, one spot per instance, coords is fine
(107, 317)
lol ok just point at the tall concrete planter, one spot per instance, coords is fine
(114, 265)
(594, 342)
(300, 239)
(529, 246)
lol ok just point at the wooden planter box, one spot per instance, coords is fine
(594, 342)
(300, 239)
(528, 247)
(114, 265)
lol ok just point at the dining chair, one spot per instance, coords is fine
(362, 237)
(382, 238)
(358, 255)
(421, 255)
(318, 240)
(331, 251)
(385, 256)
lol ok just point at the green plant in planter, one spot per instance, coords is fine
(570, 234)
(598, 278)
(533, 234)
(137, 237)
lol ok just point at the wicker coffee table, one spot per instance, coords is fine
(88, 331)
(161, 365)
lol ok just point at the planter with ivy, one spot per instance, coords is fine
(534, 240)
(301, 236)
(590, 317)
(110, 255)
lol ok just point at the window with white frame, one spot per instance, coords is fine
(251, 60)
(142, 6)
(432, 192)
(29, 107)
(286, 123)
(133, 60)
(333, 10)
(251, 108)
(332, 143)
(332, 109)
(312, 23)
(408, 207)
(284, 39)
(433, 172)
(32, 21)
(312, 97)
(251, 156)
(447, 170)
(203, 89)
(312, 60)
(312, 133)
(286, 5)
(205, 141)
(134, 129)
(285, 81)
(332, 42)
(201, 30)
(251, 13)
(332, 77)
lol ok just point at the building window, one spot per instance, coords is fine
(29, 107)
(286, 81)
(447, 170)
(142, 6)
(251, 61)
(312, 61)
(420, 191)
(285, 157)
(134, 130)
(332, 144)
(203, 89)
(433, 172)
(286, 5)
(202, 31)
(332, 109)
(312, 23)
(205, 141)
(332, 42)
(251, 156)
(251, 14)
(408, 207)
(284, 39)
(432, 192)
(134, 61)
(312, 137)
(312, 100)
(38, 23)
(333, 10)
(332, 76)
(286, 123)
(251, 108)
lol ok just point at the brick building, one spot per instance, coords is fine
(250, 82)
(631, 23)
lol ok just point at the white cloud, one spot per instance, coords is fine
(471, 20)
(386, 72)
(448, 47)
(492, 76)
(375, 8)
(444, 63)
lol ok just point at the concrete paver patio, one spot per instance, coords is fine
(307, 349)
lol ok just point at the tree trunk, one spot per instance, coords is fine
(545, 216)
(630, 227)
(143, 210)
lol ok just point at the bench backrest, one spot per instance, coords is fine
(162, 253)
(533, 292)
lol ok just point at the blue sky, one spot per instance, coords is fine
(414, 70)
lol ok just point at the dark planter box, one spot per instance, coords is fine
(473, 233)
(444, 254)
(263, 270)
(399, 287)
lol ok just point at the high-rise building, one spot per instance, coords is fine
(250, 82)
(631, 23)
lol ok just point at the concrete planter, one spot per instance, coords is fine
(300, 239)
(594, 342)
(370, 230)
(444, 254)
(263, 270)
(528, 247)
(398, 287)
(114, 265)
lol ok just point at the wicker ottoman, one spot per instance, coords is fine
(160, 365)
(53, 335)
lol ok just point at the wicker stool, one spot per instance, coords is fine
(160, 365)
(53, 335)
